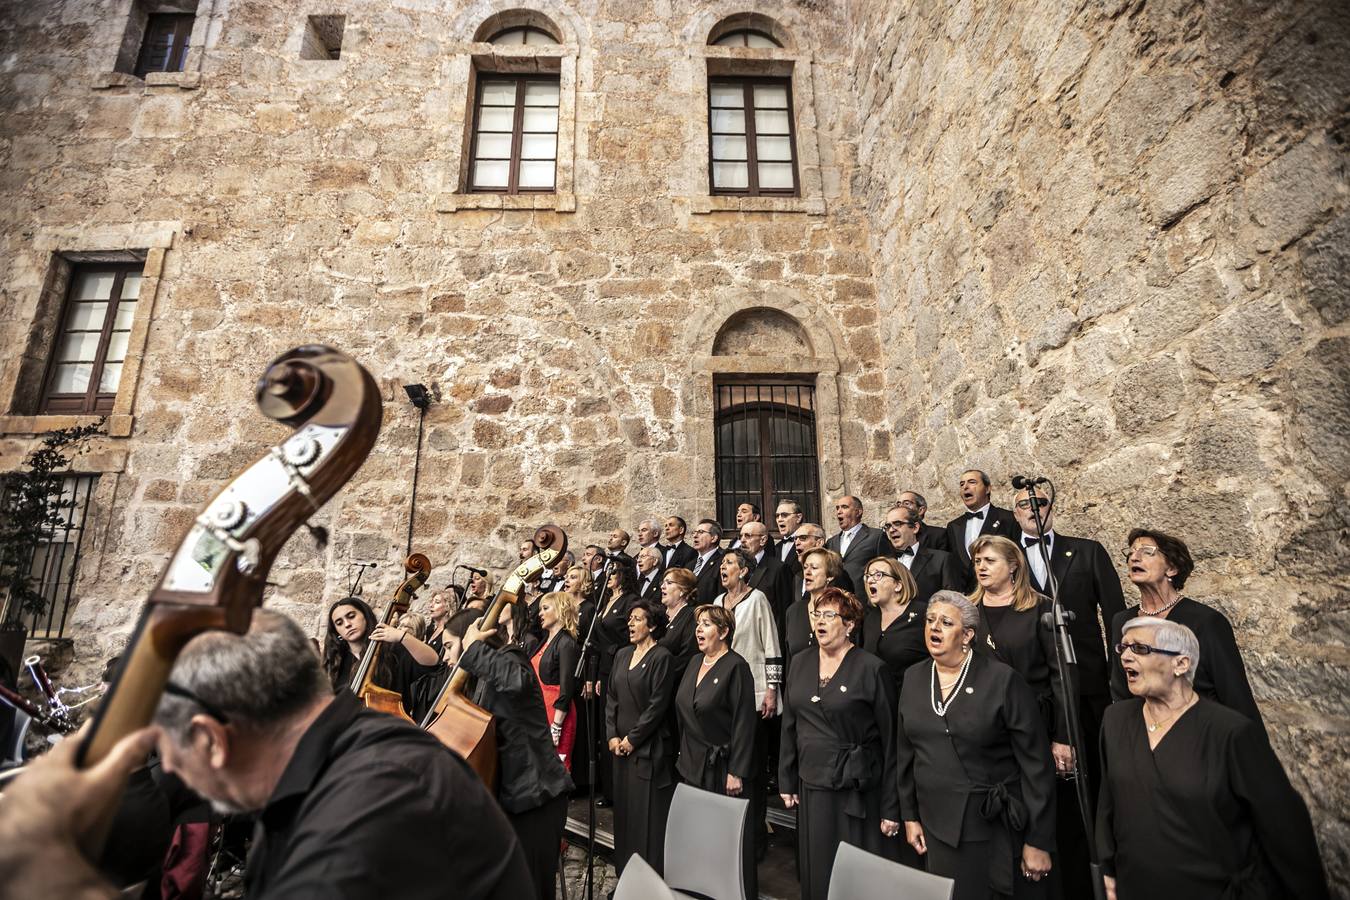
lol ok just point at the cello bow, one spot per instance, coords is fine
(363, 684)
(454, 719)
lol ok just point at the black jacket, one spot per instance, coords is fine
(867, 545)
(935, 570)
(1020, 641)
(653, 592)
(679, 637)
(771, 579)
(997, 521)
(530, 773)
(364, 802)
(716, 722)
(684, 557)
(709, 577)
(933, 537)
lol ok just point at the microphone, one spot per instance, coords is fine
(481, 573)
(1022, 482)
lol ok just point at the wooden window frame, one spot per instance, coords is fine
(180, 31)
(92, 402)
(752, 189)
(517, 133)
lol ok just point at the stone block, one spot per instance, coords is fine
(1326, 270)
(1146, 395)
(1197, 158)
(1247, 339)
(1320, 397)
(1289, 195)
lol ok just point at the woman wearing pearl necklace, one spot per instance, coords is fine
(975, 780)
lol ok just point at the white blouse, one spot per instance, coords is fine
(756, 639)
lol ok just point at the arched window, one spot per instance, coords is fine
(746, 37)
(765, 444)
(524, 35)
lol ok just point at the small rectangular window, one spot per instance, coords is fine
(165, 44)
(84, 369)
(515, 134)
(754, 147)
(53, 566)
(323, 37)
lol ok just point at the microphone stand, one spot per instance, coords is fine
(1066, 664)
(585, 656)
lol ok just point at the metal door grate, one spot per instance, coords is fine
(765, 442)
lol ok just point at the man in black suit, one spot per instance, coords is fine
(856, 542)
(767, 575)
(789, 517)
(931, 538)
(617, 548)
(980, 517)
(649, 574)
(707, 565)
(678, 554)
(810, 536)
(933, 570)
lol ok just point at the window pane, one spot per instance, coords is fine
(536, 174)
(534, 37)
(773, 148)
(538, 146)
(540, 118)
(775, 175)
(73, 379)
(111, 377)
(728, 147)
(86, 316)
(126, 314)
(771, 96)
(726, 95)
(491, 174)
(728, 121)
(93, 285)
(731, 175)
(131, 286)
(78, 347)
(493, 146)
(499, 93)
(541, 93)
(496, 118)
(509, 36)
(771, 121)
(117, 346)
(754, 39)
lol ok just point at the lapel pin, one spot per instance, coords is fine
(714, 681)
(843, 689)
(1068, 553)
(970, 690)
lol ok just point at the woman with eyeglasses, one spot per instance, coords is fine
(975, 782)
(892, 627)
(1158, 565)
(837, 756)
(1193, 801)
(638, 728)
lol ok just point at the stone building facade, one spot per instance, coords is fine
(1102, 241)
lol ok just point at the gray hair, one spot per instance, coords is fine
(650, 523)
(259, 679)
(1168, 635)
(970, 613)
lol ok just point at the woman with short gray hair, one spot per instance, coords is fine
(1193, 802)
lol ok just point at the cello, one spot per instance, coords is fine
(454, 719)
(363, 683)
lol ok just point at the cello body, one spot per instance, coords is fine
(363, 681)
(454, 719)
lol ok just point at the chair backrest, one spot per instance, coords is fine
(640, 882)
(703, 843)
(14, 752)
(859, 875)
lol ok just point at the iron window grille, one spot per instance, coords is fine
(765, 446)
(54, 562)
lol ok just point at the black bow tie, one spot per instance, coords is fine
(1028, 541)
(975, 515)
(908, 551)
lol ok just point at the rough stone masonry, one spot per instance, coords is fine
(1102, 240)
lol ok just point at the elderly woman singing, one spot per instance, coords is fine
(1193, 801)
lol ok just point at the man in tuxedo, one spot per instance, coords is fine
(617, 548)
(1088, 588)
(649, 574)
(788, 515)
(767, 575)
(856, 542)
(931, 538)
(808, 537)
(678, 554)
(707, 566)
(980, 517)
(933, 570)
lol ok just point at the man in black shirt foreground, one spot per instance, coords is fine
(351, 803)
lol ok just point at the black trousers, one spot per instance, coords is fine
(968, 863)
(540, 832)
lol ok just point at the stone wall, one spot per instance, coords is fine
(1111, 248)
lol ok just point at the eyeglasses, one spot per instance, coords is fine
(1147, 550)
(210, 709)
(702, 531)
(1026, 504)
(877, 576)
(807, 537)
(825, 615)
(1139, 649)
(896, 526)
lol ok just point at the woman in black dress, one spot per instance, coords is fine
(1193, 802)
(819, 568)
(608, 635)
(1010, 628)
(892, 628)
(837, 756)
(1159, 564)
(351, 627)
(637, 723)
(678, 586)
(555, 665)
(578, 582)
(976, 784)
(717, 719)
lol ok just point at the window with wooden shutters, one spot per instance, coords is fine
(515, 134)
(753, 140)
(85, 366)
(165, 45)
(765, 444)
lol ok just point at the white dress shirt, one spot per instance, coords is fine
(973, 526)
(847, 538)
(1033, 554)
